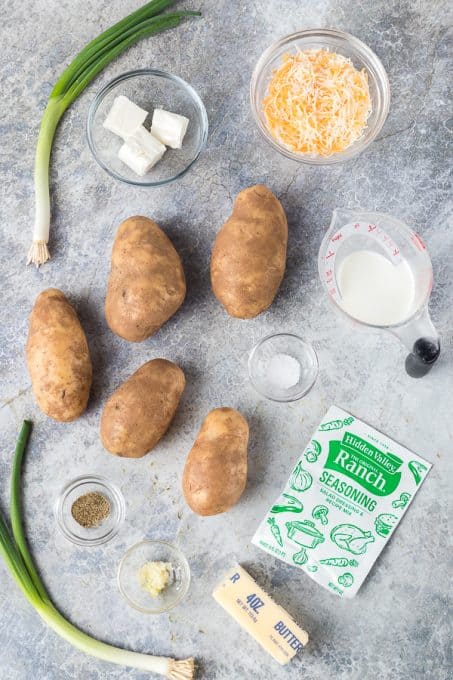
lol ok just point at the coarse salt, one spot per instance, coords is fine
(283, 371)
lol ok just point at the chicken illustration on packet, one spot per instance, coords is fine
(343, 500)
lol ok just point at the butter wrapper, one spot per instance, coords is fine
(257, 613)
(344, 499)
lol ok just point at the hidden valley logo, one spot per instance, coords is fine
(376, 471)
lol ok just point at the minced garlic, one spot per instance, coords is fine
(154, 577)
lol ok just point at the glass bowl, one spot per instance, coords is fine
(262, 373)
(153, 551)
(336, 41)
(149, 89)
(96, 535)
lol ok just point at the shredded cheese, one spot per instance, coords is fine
(317, 102)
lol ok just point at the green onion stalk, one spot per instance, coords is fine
(15, 552)
(142, 23)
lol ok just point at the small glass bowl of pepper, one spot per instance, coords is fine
(90, 510)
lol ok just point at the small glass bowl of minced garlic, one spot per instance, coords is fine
(90, 510)
(153, 576)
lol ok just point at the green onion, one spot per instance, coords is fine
(142, 23)
(14, 550)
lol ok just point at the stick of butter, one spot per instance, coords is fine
(254, 610)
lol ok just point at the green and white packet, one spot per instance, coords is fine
(344, 499)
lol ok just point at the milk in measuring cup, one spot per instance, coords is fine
(377, 271)
(374, 290)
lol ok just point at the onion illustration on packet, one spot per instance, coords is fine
(301, 479)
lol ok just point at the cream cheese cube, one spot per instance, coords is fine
(135, 158)
(150, 145)
(141, 151)
(124, 117)
(169, 128)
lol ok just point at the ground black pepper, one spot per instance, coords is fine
(90, 509)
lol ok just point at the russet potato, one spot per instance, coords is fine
(249, 254)
(146, 284)
(140, 411)
(58, 358)
(215, 473)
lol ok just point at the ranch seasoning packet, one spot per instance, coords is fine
(344, 499)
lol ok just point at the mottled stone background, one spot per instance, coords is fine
(400, 624)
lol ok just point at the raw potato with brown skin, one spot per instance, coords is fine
(140, 411)
(146, 283)
(58, 358)
(249, 255)
(215, 473)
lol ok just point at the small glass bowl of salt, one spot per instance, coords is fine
(283, 367)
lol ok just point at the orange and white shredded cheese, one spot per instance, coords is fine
(317, 102)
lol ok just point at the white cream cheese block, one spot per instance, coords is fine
(124, 117)
(141, 151)
(169, 128)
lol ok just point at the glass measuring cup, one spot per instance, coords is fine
(361, 230)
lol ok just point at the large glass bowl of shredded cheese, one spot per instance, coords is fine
(319, 96)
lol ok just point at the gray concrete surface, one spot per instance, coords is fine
(400, 624)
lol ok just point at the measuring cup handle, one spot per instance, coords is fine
(424, 355)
